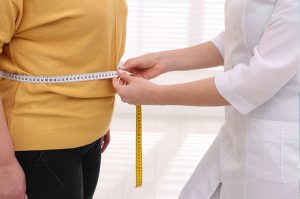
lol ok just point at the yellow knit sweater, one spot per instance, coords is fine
(59, 37)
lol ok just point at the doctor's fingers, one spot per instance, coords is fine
(122, 82)
(141, 62)
(116, 84)
(120, 87)
(125, 76)
(133, 64)
(123, 79)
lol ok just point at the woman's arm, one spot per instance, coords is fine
(6, 148)
(12, 178)
(10, 14)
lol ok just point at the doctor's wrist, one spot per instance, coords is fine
(164, 60)
(159, 95)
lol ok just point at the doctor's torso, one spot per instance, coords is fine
(245, 24)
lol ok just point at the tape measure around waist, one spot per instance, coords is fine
(139, 154)
(58, 79)
(87, 77)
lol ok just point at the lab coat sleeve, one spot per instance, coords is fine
(218, 41)
(10, 18)
(275, 61)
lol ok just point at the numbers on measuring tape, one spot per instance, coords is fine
(139, 155)
(58, 79)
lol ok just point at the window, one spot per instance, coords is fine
(155, 25)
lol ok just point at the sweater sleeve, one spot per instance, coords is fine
(274, 63)
(10, 18)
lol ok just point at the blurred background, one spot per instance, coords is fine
(175, 138)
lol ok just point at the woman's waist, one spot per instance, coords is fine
(56, 67)
(83, 90)
(82, 82)
(48, 104)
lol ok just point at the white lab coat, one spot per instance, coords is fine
(256, 154)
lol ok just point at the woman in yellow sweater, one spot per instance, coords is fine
(50, 133)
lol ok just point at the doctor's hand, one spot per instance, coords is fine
(136, 90)
(147, 66)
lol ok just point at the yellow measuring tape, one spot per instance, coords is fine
(138, 150)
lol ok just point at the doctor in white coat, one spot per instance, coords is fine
(256, 153)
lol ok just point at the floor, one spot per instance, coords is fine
(172, 147)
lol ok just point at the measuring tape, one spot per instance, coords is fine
(87, 77)
(138, 149)
(58, 79)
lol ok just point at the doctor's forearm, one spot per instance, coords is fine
(197, 93)
(205, 55)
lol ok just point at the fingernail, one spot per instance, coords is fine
(121, 65)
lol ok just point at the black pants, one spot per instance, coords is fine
(61, 174)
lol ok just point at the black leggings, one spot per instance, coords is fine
(61, 174)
